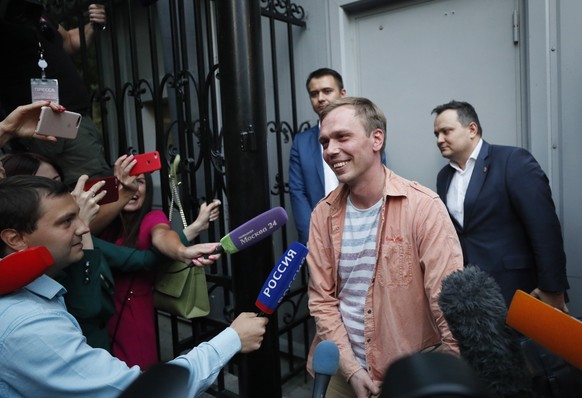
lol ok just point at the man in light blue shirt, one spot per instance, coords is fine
(42, 350)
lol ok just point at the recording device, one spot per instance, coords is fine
(111, 186)
(146, 163)
(475, 310)
(548, 326)
(162, 380)
(281, 278)
(325, 365)
(253, 231)
(20, 268)
(59, 124)
(432, 374)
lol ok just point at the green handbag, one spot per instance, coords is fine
(180, 288)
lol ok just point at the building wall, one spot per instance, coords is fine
(550, 93)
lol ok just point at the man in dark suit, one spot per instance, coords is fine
(309, 177)
(501, 205)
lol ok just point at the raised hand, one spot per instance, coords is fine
(22, 121)
(87, 200)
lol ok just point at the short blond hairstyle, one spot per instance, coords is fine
(369, 114)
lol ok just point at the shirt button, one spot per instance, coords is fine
(369, 311)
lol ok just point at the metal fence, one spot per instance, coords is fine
(155, 76)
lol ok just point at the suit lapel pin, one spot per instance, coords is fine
(485, 169)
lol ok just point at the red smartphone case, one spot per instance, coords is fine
(146, 163)
(111, 186)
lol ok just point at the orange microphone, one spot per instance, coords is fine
(548, 326)
(20, 268)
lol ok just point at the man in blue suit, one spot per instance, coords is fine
(501, 205)
(310, 178)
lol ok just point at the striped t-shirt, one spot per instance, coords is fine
(356, 268)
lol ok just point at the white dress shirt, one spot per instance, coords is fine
(460, 183)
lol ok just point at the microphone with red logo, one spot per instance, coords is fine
(281, 278)
(20, 268)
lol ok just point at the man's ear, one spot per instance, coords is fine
(13, 239)
(473, 129)
(379, 138)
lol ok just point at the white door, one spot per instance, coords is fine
(412, 57)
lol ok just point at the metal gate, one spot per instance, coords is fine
(155, 79)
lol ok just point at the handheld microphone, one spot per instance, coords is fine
(474, 308)
(253, 231)
(20, 268)
(548, 326)
(325, 365)
(281, 278)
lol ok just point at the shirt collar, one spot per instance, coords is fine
(472, 158)
(45, 286)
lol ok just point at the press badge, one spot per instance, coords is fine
(44, 89)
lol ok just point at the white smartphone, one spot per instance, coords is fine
(60, 124)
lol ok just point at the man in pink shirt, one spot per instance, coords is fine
(380, 246)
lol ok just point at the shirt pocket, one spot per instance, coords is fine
(395, 267)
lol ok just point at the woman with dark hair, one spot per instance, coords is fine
(31, 164)
(132, 328)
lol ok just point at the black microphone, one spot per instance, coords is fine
(475, 311)
(432, 374)
(325, 365)
(162, 380)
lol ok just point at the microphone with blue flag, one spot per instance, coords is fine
(281, 278)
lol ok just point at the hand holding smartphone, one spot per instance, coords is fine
(111, 186)
(59, 124)
(146, 163)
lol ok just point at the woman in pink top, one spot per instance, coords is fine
(132, 328)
